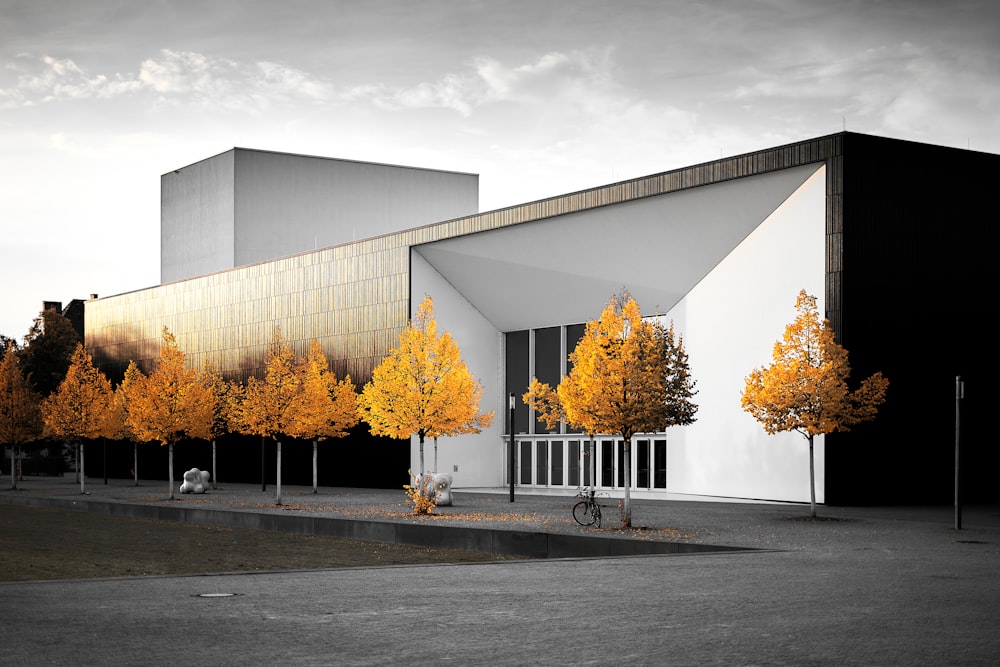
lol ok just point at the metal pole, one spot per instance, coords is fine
(959, 394)
(510, 472)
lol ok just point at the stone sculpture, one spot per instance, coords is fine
(195, 481)
(441, 484)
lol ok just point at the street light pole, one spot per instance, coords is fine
(510, 472)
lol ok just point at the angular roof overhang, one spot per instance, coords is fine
(563, 269)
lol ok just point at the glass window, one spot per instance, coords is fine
(525, 461)
(548, 363)
(607, 463)
(542, 463)
(621, 463)
(557, 463)
(660, 464)
(517, 376)
(574, 462)
(642, 464)
(574, 332)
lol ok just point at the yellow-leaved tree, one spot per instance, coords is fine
(805, 389)
(172, 403)
(20, 418)
(324, 408)
(266, 407)
(119, 418)
(423, 387)
(223, 392)
(82, 407)
(628, 376)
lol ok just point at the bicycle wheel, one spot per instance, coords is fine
(583, 514)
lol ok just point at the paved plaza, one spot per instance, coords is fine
(862, 586)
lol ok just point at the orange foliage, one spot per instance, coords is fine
(805, 389)
(83, 405)
(629, 375)
(423, 387)
(171, 403)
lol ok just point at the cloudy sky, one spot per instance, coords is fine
(98, 98)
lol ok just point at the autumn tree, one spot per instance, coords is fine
(171, 403)
(628, 376)
(224, 393)
(119, 419)
(48, 350)
(805, 389)
(20, 417)
(324, 408)
(423, 387)
(82, 407)
(266, 407)
(5, 343)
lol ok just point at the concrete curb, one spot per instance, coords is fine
(530, 544)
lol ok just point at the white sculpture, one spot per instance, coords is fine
(195, 481)
(441, 485)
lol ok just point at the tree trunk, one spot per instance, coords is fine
(812, 478)
(13, 467)
(627, 508)
(135, 462)
(214, 475)
(592, 463)
(83, 471)
(278, 482)
(435, 454)
(170, 464)
(421, 457)
(76, 452)
(104, 442)
(315, 467)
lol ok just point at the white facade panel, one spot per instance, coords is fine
(196, 218)
(730, 322)
(478, 457)
(246, 206)
(733, 304)
(287, 204)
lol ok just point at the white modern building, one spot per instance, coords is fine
(881, 231)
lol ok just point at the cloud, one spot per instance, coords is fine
(62, 79)
(575, 84)
(172, 77)
(574, 76)
(903, 88)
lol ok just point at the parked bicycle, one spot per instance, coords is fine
(587, 512)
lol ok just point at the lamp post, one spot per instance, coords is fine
(510, 472)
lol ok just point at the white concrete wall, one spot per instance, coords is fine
(248, 206)
(730, 322)
(196, 218)
(479, 457)
(287, 204)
